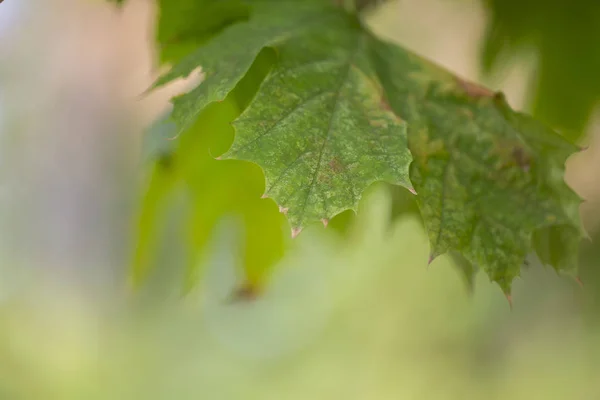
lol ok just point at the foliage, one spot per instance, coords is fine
(564, 34)
(325, 109)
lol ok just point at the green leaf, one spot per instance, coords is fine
(329, 134)
(340, 110)
(487, 178)
(589, 260)
(466, 269)
(226, 59)
(150, 220)
(185, 24)
(558, 246)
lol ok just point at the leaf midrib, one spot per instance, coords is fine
(334, 112)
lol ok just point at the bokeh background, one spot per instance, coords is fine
(358, 317)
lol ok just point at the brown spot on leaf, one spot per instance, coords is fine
(513, 154)
(336, 166)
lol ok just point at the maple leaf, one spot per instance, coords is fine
(329, 134)
(487, 177)
(341, 109)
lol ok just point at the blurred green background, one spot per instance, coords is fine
(352, 316)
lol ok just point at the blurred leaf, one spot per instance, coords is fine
(184, 25)
(467, 270)
(220, 188)
(565, 35)
(151, 218)
(558, 246)
(589, 259)
(216, 189)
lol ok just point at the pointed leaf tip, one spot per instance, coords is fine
(509, 299)
(325, 222)
(432, 256)
(264, 196)
(412, 190)
(296, 232)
